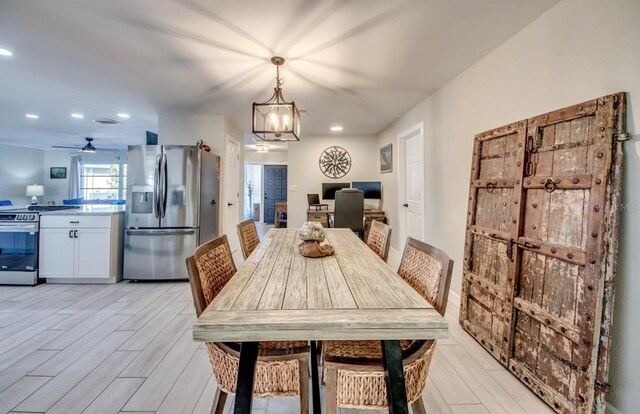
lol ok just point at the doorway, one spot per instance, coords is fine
(252, 192)
(275, 190)
(411, 183)
(232, 192)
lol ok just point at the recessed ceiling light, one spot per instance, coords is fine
(32, 116)
(336, 128)
(5, 52)
(123, 115)
(77, 115)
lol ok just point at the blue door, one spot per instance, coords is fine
(275, 189)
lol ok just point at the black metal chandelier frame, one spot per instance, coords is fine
(279, 108)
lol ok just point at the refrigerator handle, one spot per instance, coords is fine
(156, 187)
(185, 232)
(163, 184)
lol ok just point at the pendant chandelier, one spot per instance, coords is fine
(276, 119)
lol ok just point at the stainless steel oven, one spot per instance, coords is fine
(19, 247)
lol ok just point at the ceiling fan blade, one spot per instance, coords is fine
(64, 146)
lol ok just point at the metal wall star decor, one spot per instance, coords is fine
(335, 162)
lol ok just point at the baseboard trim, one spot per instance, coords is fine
(612, 410)
(454, 298)
(394, 259)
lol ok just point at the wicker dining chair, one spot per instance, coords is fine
(379, 239)
(249, 238)
(282, 369)
(353, 369)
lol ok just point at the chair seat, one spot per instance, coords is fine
(357, 351)
(290, 346)
(274, 348)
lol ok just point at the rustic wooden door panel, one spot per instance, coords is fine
(539, 262)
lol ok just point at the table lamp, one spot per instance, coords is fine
(35, 191)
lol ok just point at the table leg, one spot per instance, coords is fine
(246, 371)
(315, 382)
(394, 376)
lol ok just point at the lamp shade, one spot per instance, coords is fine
(35, 190)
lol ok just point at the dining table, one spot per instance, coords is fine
(279, 295)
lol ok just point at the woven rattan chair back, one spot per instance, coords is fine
(282, 367)
(249, 238)
(352, 369)
(379, 239)
(428, 270)
(210, 268)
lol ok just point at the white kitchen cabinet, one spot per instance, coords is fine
(58, 256)
(93, 253)
(81, 248)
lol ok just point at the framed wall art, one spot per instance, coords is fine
(57, 173)
(386, 159)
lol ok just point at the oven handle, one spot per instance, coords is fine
(18, 228)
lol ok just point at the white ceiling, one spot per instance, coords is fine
(358, 63)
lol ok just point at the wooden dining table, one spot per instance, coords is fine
(279, 295)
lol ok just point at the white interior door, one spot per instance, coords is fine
(412, 183)
(232, 192)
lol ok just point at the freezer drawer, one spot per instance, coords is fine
(158, 254)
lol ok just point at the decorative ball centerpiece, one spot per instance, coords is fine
(312, 234)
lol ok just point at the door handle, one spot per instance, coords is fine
(229, 204)
(213, 202)
(71, 234)
(160, 233)
(163, 184)
(156, 187)
(75, 234)
(405, 205)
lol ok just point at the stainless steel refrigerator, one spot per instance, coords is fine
(172, 207)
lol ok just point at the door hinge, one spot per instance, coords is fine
(622, 137)
(604, 387)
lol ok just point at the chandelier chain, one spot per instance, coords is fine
(279, 80)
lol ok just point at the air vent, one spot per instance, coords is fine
(106, 121)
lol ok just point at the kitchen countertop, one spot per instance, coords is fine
(88, 210)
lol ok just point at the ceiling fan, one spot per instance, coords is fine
(88, 148)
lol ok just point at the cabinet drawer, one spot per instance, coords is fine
(317, 217)
(75, 221)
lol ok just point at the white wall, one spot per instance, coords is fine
(57, 189)
(188, 129)
(272, 157)
(578, 50)
(304, 172)
(20, 167)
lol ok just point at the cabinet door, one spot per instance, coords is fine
(93, 253)
(56, 253)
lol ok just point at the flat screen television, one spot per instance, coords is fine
(329, 190)
(372, 189)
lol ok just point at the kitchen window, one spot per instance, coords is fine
(103, 181)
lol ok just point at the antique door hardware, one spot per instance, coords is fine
(550, 185)
(531, 153)
(510, 242)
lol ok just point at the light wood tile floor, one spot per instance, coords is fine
(127, 348)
